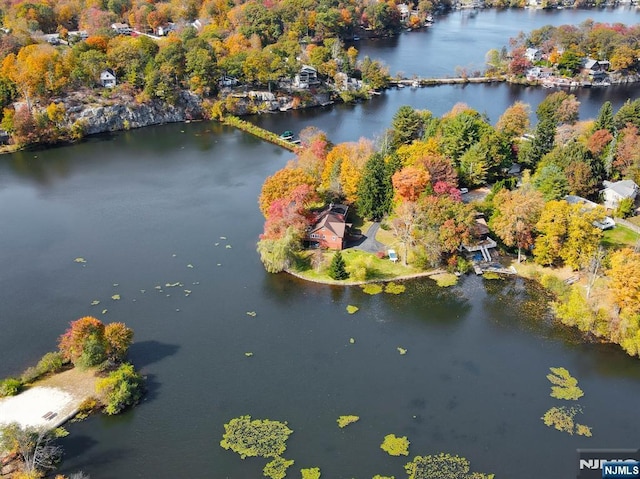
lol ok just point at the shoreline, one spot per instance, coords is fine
(333, 282)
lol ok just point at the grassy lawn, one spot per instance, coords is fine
(635, 220)
(387, 238)
(620, 237)
(377, 269)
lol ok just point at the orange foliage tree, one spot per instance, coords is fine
(410, 182)
(281, 184)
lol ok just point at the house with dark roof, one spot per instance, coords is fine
(330, 228)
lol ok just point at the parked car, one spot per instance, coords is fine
(606, 224)
(464, 191)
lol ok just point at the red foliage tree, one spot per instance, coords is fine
(410, 182)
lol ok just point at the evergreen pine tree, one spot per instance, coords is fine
(337, 269)
(375, 190)
(605, 118)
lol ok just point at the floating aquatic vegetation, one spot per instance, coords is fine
(561, 418)
(172, 285)
(187, 292)
(80, 260)
(344, 421)
(257, 438)
(394, 288)
(444, 280)
(395, 446)
(277, 469)
(372, 288)
(491, 275)
(189, 265)
(352, 309)
(115, 297)
(248, 354)
(402, 351)
(173, 255)
(378, 476)
(251, 313)
(352, 341)
(104, 311)
(582, 430)
(566, 386)
(310, 473)
(115, 285)
(228, 246)
(143, 291)
(95, 302)
(223, 237)
(216, 244)
(442, 466)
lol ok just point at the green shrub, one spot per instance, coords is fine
(10, 387)
(50, 363)
(120, 389)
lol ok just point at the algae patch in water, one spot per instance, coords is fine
(565, 385)
(395, 446)
(344, 421)
(394, 288)
(372, 288)
(257, 438)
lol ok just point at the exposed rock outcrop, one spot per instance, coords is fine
(103, 116)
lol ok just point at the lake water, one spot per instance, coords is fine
(177, 203)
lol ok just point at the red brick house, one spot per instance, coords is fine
(329, 229)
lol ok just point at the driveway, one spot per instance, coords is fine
(370, 244)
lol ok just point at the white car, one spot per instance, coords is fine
(464, 191)
(606, 224)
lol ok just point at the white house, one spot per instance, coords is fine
(108, 78)
(122, 28)
(533, 55)
(539, 73)
(165, 29)
(613, 193)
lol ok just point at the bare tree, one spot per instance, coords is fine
(594, 268)
(35, 446)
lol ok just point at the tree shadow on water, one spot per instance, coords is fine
(144, 353)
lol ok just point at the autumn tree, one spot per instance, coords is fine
(405, 219)
(343, 169)
(84, 342)
(118, 339)
(410, 182)
(567, 234)
(281, 184)
(624, 274)
(515, 217)
(514, 122)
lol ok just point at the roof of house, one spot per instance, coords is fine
(333, 218)
(107, 72)
(623, 188)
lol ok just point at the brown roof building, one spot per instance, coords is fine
(330, 228)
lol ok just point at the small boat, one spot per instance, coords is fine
(287, 135)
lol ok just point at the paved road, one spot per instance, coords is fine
(370, 244)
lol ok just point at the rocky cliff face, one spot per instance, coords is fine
(100, 117)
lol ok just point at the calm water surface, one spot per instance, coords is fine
(142, 206)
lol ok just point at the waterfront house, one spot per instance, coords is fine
(480, 241)
(614, 192)
(108, 78)
(330, 228)
(539, 73)
(306, 77)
